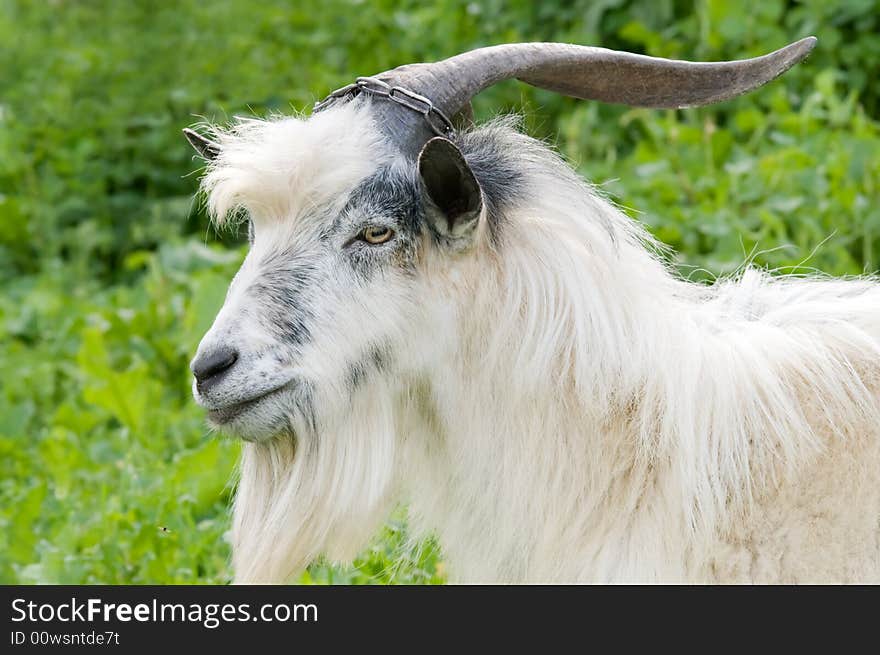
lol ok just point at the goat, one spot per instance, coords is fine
(446, 315)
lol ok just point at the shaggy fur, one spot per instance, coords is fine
(553, 403)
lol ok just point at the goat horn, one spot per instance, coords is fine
(593, 74)
(205, 147)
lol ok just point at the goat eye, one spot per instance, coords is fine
(375, 235)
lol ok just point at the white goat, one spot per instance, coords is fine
(463, 324)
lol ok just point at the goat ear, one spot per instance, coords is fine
(454, 200)
(205, 147)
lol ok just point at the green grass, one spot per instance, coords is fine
(109, 274)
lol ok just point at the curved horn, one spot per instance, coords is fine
(593, 74)
(206, 148)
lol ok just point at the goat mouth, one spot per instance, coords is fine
(229, 413)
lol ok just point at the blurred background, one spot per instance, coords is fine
(109, 273)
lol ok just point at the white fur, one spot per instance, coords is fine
(563, 408)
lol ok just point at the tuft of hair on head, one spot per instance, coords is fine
(283, 166)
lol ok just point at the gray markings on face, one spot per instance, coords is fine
(281, 289)
(389, 199)
(374, 360)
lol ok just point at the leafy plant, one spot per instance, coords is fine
(110, 275)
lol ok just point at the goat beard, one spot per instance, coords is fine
(300, 497)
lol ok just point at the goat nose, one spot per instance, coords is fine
(208, 366)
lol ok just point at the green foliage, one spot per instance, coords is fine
(108, 473)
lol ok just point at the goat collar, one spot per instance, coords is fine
(436, 120)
